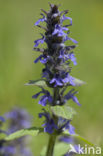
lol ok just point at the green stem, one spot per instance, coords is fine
(51, 144)
(56, 93)
(52, 139)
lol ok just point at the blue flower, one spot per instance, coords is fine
(42, 58)
(59, 30)
(73, 59)
(19, 119)
(64, 124)
(70, 95)
(37, 42)
(46, 73)
(57, 81)
(43, 19)
(66, 18)
(26, 152)
(70, 128)
(68, 79)
(65, 56)
(8, 150)
(66, 38)
(67, 139)
(61, 79)
(56, 58)
(49, 125)
(12, 150)
(39, 58)
(46, 98)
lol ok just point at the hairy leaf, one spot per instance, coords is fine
(40, 83)
(63, 111)
(78, 82)
(23, 132)
(78, 137)
(83, 139)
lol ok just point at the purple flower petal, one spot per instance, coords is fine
(37, 42)
(45, 73)
(43, 100)
(71, 129)
(74, 41)
(57, 81)
(42, 58)
(36, 95)
(65, 29)
(67, 18)
(49, 125)
(71, 39)
(41, 20)
(68, 79)
(71, 80)
(76, 100)
(67, 139)
(73, 59)
(59, 30)
(70, 95)
(39, 58)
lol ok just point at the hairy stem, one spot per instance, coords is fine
(56, 93)
(52, 139)
(51, 144)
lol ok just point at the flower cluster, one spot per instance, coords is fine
(18, 119)
(56, 58)
(50, 126)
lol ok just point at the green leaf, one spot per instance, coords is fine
(78, 82)
(83, 139)
(23, 132)
(78, 137)
(59, 149)
(63, 111)
(40, 83)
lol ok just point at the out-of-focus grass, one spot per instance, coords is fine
(16, 61)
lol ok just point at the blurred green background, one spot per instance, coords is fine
(17, 33)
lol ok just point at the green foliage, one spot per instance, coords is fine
(78, 82)
(83, 140)
(63, 111)
(59, 150)
(78, 138)
(40, 83)
(23, 132)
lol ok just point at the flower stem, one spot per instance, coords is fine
(52, 138)
(56, 93)
(51, 144)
